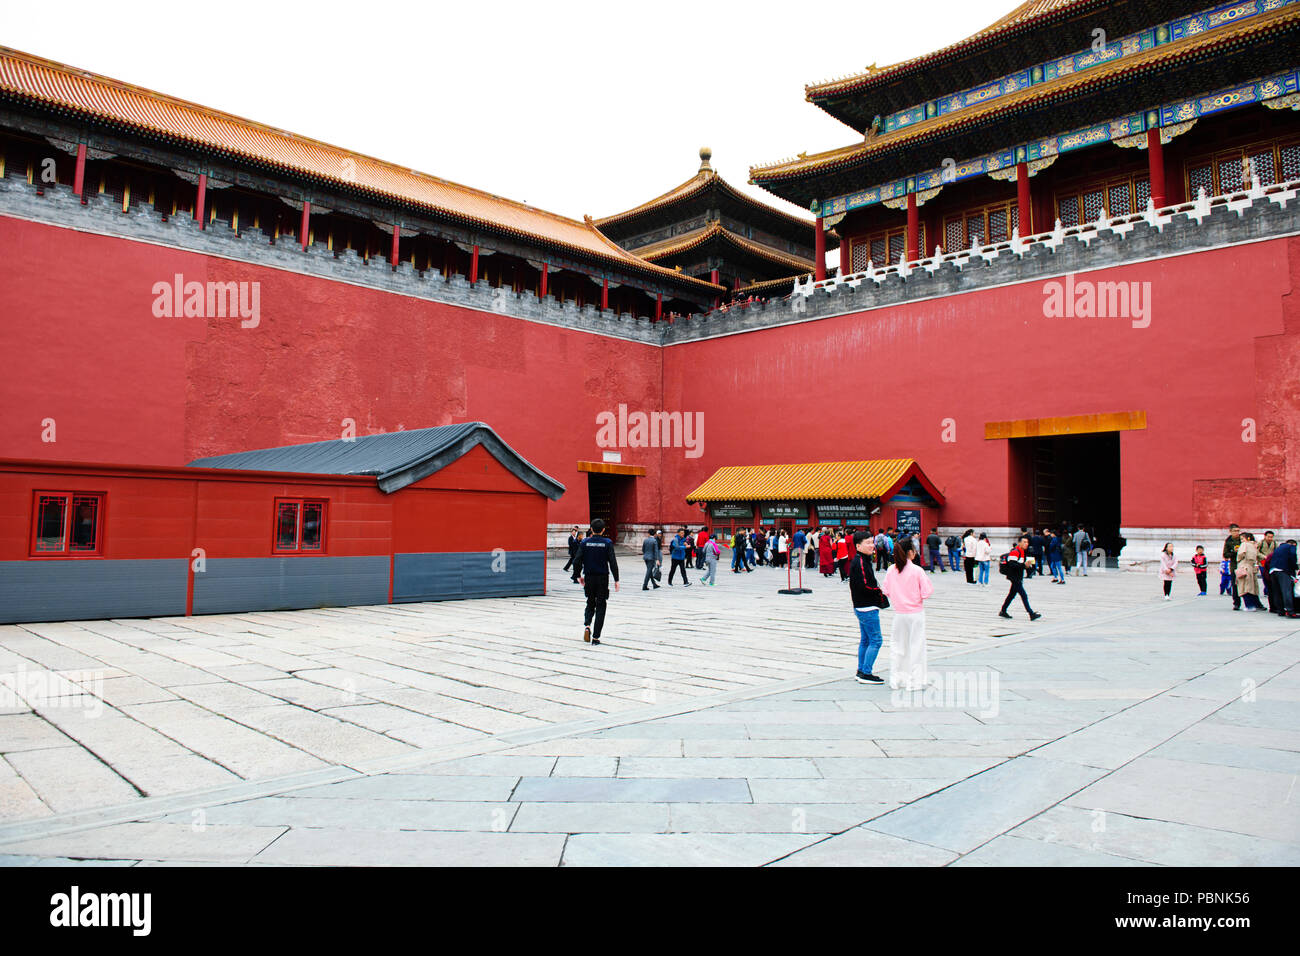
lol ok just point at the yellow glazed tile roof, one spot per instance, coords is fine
(80, 92)
(813, 481)
(698, 237)
(1024, 13)
(1065, 84)
(697, 184)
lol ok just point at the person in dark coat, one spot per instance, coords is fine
(596, 563)
(868, 599)
(652, 551)
(1281, 577)
(575, 541)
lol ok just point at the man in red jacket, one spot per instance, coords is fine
(1017, 559)
(700, 538)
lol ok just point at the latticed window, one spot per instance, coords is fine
(952, 236)
(878, 252)
(1229, 175)
(299, 526)
(1262, 164)
(1092, 205)
(861, 253)
(975, 230)
(896, 247)
(998, 225)
(1068, 211)
(1198, 178)
(1119, 200)
(67, 523)
(1290, 164)
(1014, 215)
(1142, 188)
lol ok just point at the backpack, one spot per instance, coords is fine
(1002, 565)
(952, 543)
(1085, 544)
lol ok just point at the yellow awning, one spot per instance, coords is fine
(816, 481)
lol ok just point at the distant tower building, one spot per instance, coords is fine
(708, 229)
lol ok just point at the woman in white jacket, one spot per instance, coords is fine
(983, 555)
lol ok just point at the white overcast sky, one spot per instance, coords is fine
(574, 106)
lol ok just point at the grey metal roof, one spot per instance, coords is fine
(396, 459)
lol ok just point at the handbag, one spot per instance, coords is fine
(656, 573)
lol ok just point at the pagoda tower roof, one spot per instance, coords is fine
(1194, 64)
(704, 191)
(717, 234)
(78, 94)
(1034, 31)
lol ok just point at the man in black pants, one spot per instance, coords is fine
(1230, 546)
(1016, 574)
(1281, 578)
(596, 562)
(575, 541)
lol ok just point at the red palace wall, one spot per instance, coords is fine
(881, 384)
(124, 386)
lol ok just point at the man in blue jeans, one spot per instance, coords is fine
(868, 599)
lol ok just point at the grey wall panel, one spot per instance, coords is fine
(79, 590)
(449, 577)
(275, 584)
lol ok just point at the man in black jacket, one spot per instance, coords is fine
(1281, 578)
(575, 540)
(596, 562)
(1016, 561)
(868, 599)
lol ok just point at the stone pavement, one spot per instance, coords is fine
(714, 726)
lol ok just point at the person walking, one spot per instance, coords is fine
(1199, 567)
(712, 551)
(750, 545)
(1267, 545)
(1017, 559)
(842, 555)
(652, 552)
(1168, 568)
(868, 599)
(1055, 557)
(701, 536)
(1230, 545)
(907, 587)
(677, 553)
(1247, 573)
(983, 555)
(1281, 578)
(968, 542)
(575, 541)
(1036, 543)
(597, 564)
(1082, 545)
(738, 544)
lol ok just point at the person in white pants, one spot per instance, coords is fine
(907, 587)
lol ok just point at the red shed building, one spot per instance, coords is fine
(424, 515)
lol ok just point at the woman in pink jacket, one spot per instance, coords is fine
(1168, 567)
(907, 586)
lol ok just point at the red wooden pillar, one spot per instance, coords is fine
(79, 182)
(201, 202)
(713, 277)
(819, 244)
(541, 288)
(659, 307)
(604, 295)
(304, 230)
(1024, 209)
(911, 251)
(397, 236)
(1156, 159)
(473, 267)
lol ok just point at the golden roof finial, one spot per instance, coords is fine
(705, 155)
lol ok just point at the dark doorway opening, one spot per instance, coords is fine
(1070, 480)
(611, 497)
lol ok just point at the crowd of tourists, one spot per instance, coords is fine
(1250, 566)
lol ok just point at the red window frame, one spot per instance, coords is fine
(300, 506)
(70, 500)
